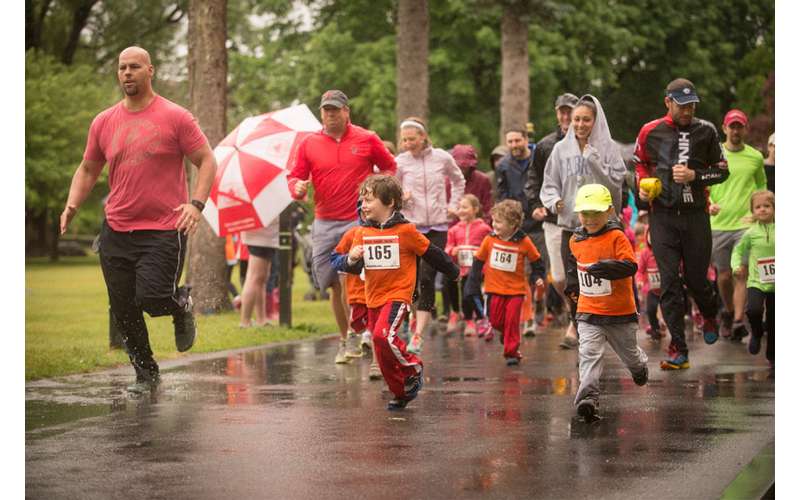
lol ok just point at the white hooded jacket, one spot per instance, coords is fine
(568, 169)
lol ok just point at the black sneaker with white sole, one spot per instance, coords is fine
(641, 377)
(587, 409)
(183, 320)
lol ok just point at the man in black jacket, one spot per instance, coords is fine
(533, 184)
(512, 174)
(684, 153)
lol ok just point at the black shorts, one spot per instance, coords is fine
(144, 264)
(262, 252)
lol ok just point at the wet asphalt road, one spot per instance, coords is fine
(285, 422)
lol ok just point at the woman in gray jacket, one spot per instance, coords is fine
(586, 155)
(422, 171)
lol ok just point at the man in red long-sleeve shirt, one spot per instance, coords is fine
(336, 160)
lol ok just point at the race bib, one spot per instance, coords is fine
(382, 252)
(465, 254)
(766, 269)
(592, 286)
(654, 278)
(504, 258)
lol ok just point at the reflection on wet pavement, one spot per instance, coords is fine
(286, 422)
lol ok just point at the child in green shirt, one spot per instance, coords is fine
(759, 242)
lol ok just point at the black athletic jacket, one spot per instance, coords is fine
(661, 144)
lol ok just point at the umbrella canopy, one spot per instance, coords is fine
(250, 189)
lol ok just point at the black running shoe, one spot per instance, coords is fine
(183, 320)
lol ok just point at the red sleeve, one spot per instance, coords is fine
(190, 137)
(640, 158)
(483, 251)
(381, 156)
(641, 272)
(451, 241)
(486, 198)
(93, 152)
(301, 169)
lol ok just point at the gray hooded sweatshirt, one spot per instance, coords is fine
(568, 169)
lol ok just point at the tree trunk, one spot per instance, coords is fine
(208, 73)
(515, 93)
(412, 60)
(79, 19)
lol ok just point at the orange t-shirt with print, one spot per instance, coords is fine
(390, 262)
(504, 264)
(601, 296)
(355, 285)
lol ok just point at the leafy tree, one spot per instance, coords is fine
(60, 103)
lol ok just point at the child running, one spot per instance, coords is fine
(759, 242)
(463, 240)
(501, 259)
(599, 277)
(386, 248)
(357, 300)
(649, 282)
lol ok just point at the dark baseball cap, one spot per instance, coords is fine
(333, 98)
(566, 100)
(735, 115)
(682, 91)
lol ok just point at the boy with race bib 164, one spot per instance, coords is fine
(387, 248)
(501, 260)
(599, 274)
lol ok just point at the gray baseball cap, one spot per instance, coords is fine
(566, 100)
(333, 98)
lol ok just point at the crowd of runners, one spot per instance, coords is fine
(560, 232)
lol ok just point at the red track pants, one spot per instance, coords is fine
(394, 361)
(504, 315)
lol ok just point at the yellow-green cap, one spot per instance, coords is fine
(593, 198)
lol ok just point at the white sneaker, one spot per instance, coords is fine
(341, 355)
(415, 345)
(353, 346)
(375, 372)
(366, 341)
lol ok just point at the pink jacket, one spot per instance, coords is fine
(647, 275)
(463, 241)
(424, 177)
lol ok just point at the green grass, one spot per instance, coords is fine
(66, 321)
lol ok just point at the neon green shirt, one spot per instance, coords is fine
(733, 195)
(758, 243)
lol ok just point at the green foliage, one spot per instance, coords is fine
(60, 102)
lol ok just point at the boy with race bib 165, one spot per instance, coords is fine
(387, 248)
(599, 278)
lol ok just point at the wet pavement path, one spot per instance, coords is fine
(285, 422)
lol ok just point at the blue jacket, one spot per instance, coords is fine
(511, 179)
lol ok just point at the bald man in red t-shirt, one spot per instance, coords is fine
(143, 139)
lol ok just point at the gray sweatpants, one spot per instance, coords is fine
(592, 338)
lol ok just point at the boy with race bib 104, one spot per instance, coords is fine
(599, 277)
(501, 260)
(387, 248)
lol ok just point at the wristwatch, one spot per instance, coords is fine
(198, 204)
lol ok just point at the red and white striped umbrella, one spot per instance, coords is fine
(250, 189)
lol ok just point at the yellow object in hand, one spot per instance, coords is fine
(652, 185)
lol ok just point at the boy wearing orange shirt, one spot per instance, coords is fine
(599, 277)
(501, 260)
(387, 248)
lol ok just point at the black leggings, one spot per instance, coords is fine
(756, 303)
(652, 310)
(450, 297)
(426, 275)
